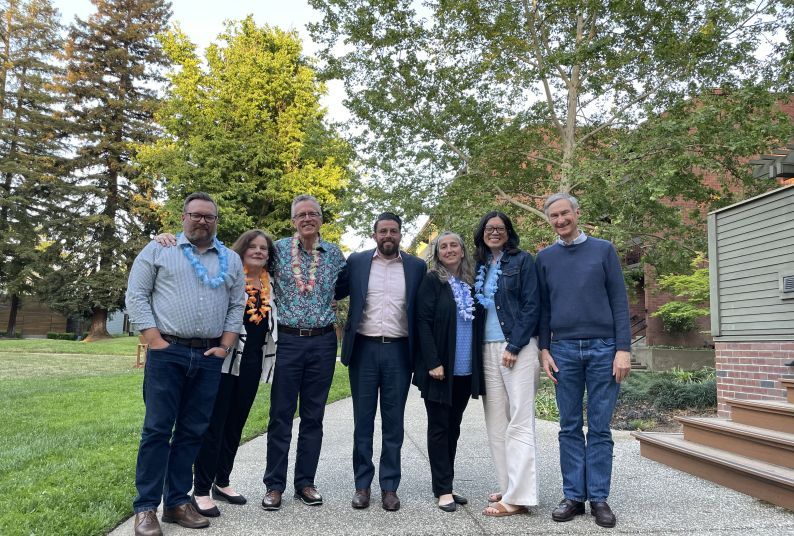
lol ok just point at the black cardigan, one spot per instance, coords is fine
(436, 319)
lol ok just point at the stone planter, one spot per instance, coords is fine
(662, 359)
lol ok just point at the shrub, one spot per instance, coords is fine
(670, 394)
(60, 336)
(16, 335)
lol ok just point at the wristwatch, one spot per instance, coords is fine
(228, 349)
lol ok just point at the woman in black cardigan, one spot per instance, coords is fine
(448, 369)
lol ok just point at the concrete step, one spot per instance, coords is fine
(759, 443)
(788, 385)
(769, 414)
(770, 482)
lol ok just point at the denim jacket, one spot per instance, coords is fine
(517, 300)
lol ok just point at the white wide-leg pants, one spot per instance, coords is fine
(509, 404)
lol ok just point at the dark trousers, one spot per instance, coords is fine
(443, 431)
(305, 370)
(379, 368)
(179, 389)
(236, 395)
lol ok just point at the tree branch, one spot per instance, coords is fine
(529, 208)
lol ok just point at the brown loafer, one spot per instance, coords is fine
(187, 516)
(146, 524)
(391, 503)
(272, 500)
(361, 498)
(309, 495)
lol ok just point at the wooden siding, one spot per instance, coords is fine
(750, 245)
(34, 319)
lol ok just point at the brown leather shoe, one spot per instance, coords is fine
(309, 495)
(567, 510)
(187, 516)
(146, 524)
(272, 500)
(603, 514)
(391, 502)
(361, 498)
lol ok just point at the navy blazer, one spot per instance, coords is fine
(357, 283)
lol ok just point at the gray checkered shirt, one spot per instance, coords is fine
(164, 291)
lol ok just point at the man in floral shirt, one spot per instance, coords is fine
(307, 272)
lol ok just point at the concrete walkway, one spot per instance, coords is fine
(647, 497)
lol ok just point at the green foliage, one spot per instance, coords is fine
(106, 209)
(31, 139)
(693, 376)
(247, 127)
(60, 336)
(668, 391)
(16, 334)
(546, 402)
(680, 316)
(464, 106)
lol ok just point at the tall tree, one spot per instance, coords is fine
(247, 127)
(114, 62)
(30, 130)
(475, 103)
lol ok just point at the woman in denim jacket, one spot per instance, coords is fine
(506, 286)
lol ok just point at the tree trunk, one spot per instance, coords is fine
(99, 328)
(12, 316)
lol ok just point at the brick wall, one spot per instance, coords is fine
(655, 332)
(752, 370)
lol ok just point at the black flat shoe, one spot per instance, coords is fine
(450, 507)
(459, 499)
(209, 512)
(218, 495)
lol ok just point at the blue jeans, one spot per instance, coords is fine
(586, 464)
(179, 389)
(379, 368)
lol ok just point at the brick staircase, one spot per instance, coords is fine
(753, 452)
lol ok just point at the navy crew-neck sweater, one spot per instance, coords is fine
(582, 292)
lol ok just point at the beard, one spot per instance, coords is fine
(387, 247)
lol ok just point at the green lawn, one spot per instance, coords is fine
(71, 431)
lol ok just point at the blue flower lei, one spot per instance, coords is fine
(463, 299)
(201, 271)
(485, 290)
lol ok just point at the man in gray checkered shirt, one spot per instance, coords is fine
(187, 301)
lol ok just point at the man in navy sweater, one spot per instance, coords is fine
(585, 341)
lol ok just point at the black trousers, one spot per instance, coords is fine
(304, 371)
(236, 395)
(443, 431)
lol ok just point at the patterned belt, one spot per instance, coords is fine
(306, 332)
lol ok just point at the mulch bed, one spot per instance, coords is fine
(643, 416)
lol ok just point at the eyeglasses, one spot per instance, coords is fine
(306, 215)
(498, 230)
(196, 217)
